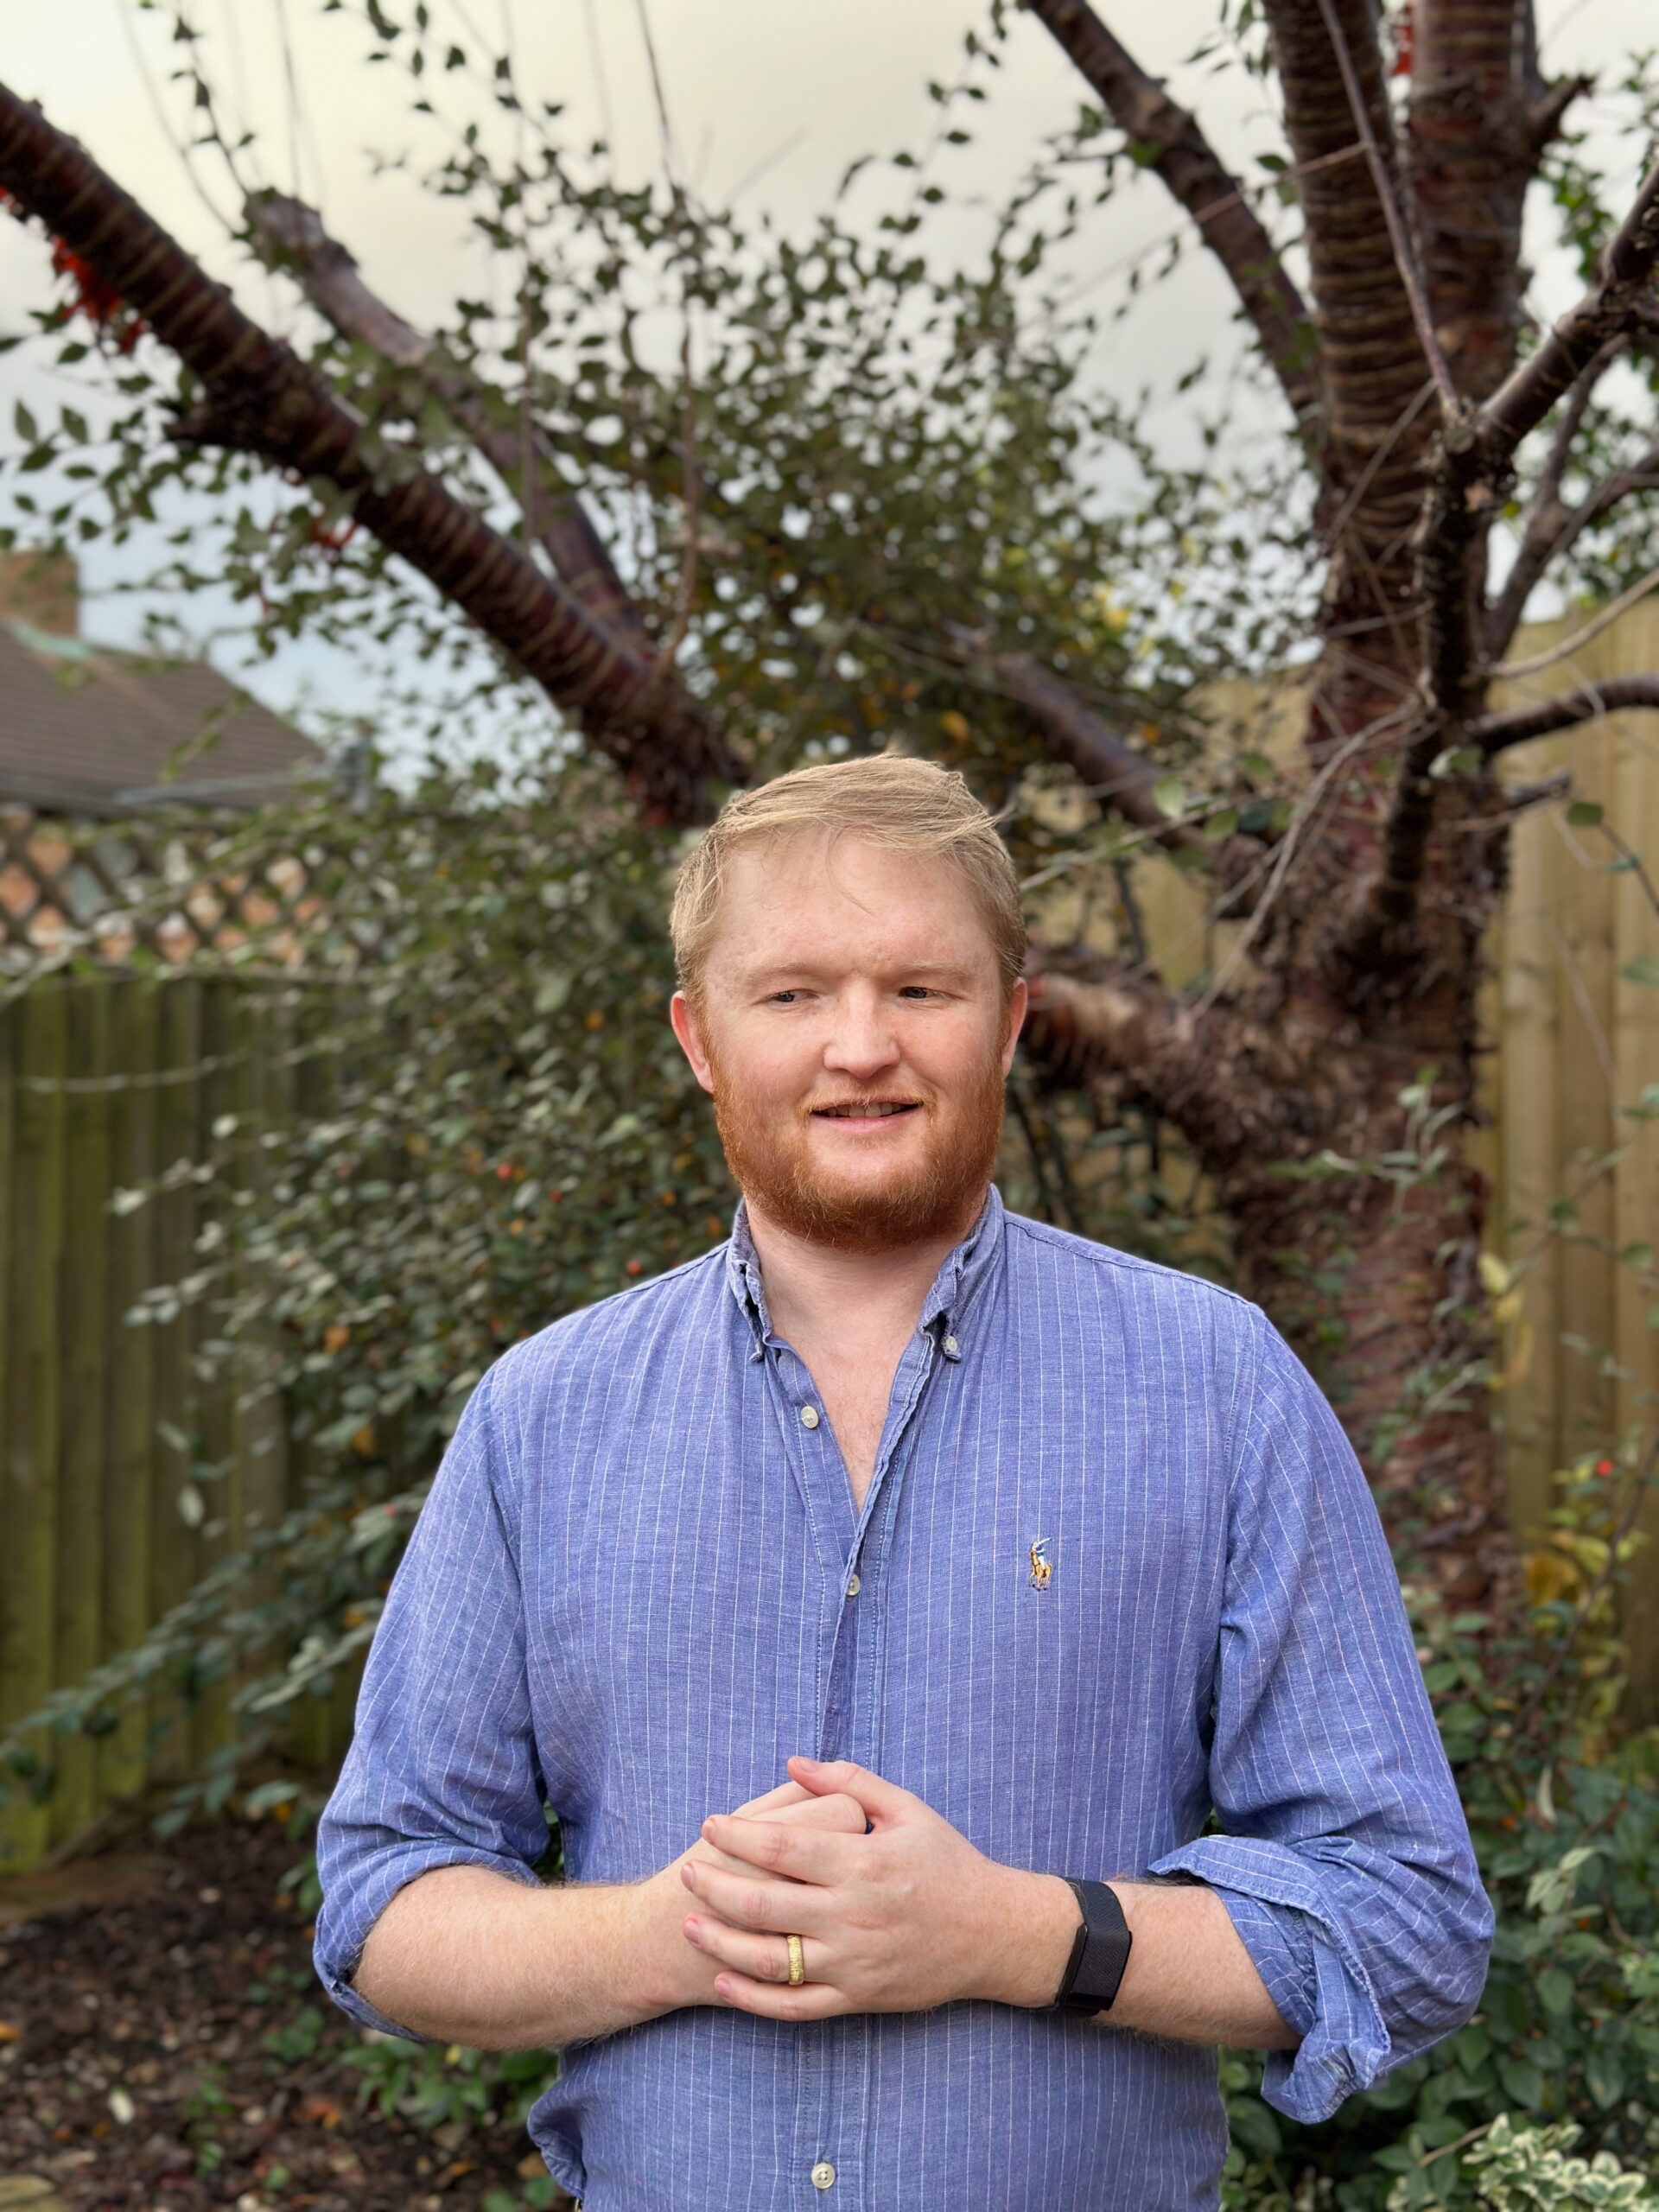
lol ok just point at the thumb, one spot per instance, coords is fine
(883, 1802)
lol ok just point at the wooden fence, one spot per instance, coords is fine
(106, 1081)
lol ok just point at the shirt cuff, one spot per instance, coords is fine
(345, 1923)
(1311, 1971)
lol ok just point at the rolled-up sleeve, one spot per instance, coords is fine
(442, 1771)
(1345, 1863)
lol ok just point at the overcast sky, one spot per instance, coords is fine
(780, 95)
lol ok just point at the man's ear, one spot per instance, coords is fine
(688, 1031)
(1019, 999)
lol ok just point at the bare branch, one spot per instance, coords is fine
(1551, 524)
(1217, 1077)
(1610, 305)
(261, 398)
(290, 235)
(1496, 734)
(1507, 672)
(1116, 772)
(1184, 158)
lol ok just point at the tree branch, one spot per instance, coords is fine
(1190, 169)
(1216, 1077)
(1472, 468)
(1116, 772)
(1496, 734)
(290, 236)
(1609, 306)
(1551, 524)
(261, 398)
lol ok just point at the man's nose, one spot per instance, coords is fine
(862, 1042)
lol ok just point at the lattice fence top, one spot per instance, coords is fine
(171, 889)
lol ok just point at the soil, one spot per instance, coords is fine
(138, 1994)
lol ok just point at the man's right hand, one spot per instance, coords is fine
(466, 1954)
(689, 1973)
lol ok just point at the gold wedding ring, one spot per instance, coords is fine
(797, 1961)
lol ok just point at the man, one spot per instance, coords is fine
(973, 1564)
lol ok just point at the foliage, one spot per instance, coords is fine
(1565, 1818)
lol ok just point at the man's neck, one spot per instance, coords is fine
(822, 1299)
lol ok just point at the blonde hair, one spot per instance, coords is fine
(888, 799)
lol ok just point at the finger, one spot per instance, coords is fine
(775, 1801)
(840, 1814)
(803, 1854)
(761, 1958)
(882, 1800)
(814, 2000)
(744, 1901)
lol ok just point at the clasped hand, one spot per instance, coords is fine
(901, 1917)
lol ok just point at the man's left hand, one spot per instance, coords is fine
(902, 1918)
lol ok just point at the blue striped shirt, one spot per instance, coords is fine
(640, 1584)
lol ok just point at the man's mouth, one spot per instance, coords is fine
(866, 1109)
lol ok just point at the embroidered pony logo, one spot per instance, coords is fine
(1042, 1568)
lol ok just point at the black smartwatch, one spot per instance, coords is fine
(1095, 1970)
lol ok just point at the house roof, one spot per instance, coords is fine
(87, 729)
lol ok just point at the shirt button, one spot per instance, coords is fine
(854, 1586)
(824, 2174)
(808, 1416)
(951, 1349)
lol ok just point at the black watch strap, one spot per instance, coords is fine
(1095, 1970)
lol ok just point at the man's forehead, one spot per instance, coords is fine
(789, 899)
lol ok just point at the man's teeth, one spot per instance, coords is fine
(863, 1113)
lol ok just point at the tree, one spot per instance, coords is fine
(861, 508)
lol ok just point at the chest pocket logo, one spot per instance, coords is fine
(1042, 1568)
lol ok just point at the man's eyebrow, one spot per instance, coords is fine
(759, 971)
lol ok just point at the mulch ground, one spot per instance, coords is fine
(137, 2001)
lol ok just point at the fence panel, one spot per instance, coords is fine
(106, 1081)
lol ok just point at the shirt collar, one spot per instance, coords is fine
(944, 1310)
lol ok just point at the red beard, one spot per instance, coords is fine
(939, 1195)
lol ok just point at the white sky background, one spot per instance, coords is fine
(784, 92)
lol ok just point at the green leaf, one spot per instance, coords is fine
(28, 429)
(1584, 814)
(1556, 1988)
(1643, 970)
(1604, 2072)
(1255, 2127)
(1522, 2083)
(1169, 795)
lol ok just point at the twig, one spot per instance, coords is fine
(1568, 646)
(1304, 807)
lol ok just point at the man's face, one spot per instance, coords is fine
(854, 1031)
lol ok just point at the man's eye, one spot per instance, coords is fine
(785, 998)
(915, 991)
